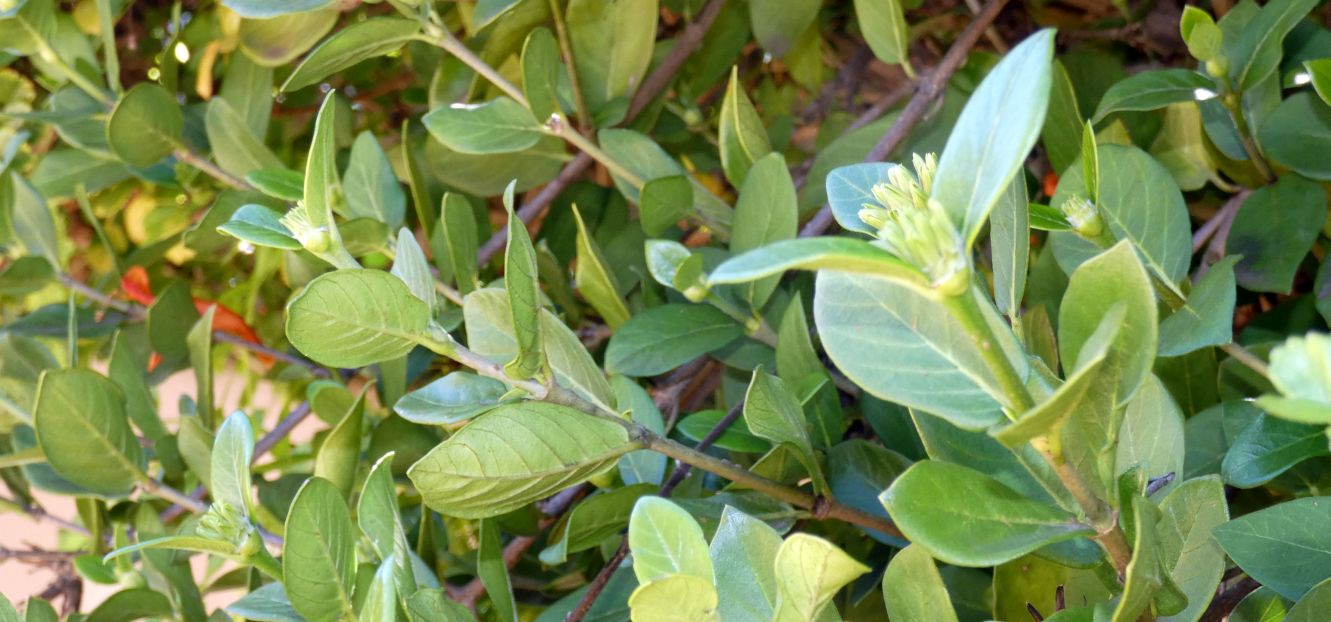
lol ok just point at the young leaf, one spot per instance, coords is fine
(233, 450)
(357, 42)
(524, 296)
(514, 455)
(665, 337)
(595, 280)
(410, 265)
(454, 398)
(849, 188)
(1319, 73)
(380, 602)
(1286, 547)
(1150, 90)
(913, 590)
(319, 553)
(676, 597)
(966, 518)
(765, 213)
(1010, 239)
(321, 181)
(145, 125)
(1200, 33)
(493, 571)
(458, 225)
(771, 412)
(84, 433)
(994, 134)
(742, 135)
(353, 318)
(1270, 231)
(1205, 319)
(885, 30)
(497, 126)
(809, 571)
(743, 552)
(665, 541)
(259, 226)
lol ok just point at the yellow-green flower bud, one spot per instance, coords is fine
(1083, 216)
(1218, 67)
(928, 240)
(225, 523)
(314, 239)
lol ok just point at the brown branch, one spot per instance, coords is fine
(927, 90)
(1228, 598)
(656, 82)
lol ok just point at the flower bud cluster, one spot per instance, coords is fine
(916, 228)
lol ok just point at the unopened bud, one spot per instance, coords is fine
(1218, 67)
(1083, 216)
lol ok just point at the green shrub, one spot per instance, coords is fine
(668, 309)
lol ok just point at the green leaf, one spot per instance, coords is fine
(493, 571)
(612, 46)
(195, 544)
(514, 455)
(646, 160)
(84, 432)
(457, 222)
(319, 553)
(1063, 120)
(736, 438)
(277, 41)
(259, 226)
(771, 412)
(1150, 90)
(321, 181)
(497, 126)
(33, 225)
(765, 213)
(1268, 447)
(378, 517)
(131, 604)
(665, 541)
(1271, 232)
(1319, 73)
(1140, 202)
(595, 280)
(170, 319)
(233, 450)
(1200, 33)
(1144, 577)
(1070, 397)
(1151, 434)
(372, 190)
(524, 296)
(642, 465)
(454, 398)
(849, 188)
(809, 572)
(966, 518)
(796, 358)
(742, 137)
(1193, 559)
(1310, 608)
(1010, 239)
(145, 125)
(357, 42)
(665, 337)
(1114, 276)
(1285, 547)
(540, 73)
(663, 202)
(410, 265)
(860, 318)
(1205, 319)
(1036, 582)
(1297, 134)
(594, 519)
(677, 597)
(1255, 53)
(380, 599)
(237, 150)
(263, 9)
(914, 591)
(844, 255)
(743, 553)
(1298, 371)
(994, 134)
(431, 605)
(884, 27)
(777, 24)
(339, 455)
(200, 343)
(354, 318)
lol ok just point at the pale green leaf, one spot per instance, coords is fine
(84, 432)
(353, 318)
(357, 42)
(497, 126)
(319, 554)
(809, 572)
(914, 591)
(742, 137)
(145, 125)
(665, 541)
(766, 213)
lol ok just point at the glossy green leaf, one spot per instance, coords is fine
(514, 455)
(1200, 33)
(1114, 276)
(453, 398)
(665, 337)
(1286, 547)
(259, 226)
(353, 318)
(765, 213)
(885, 30)
(743, 552)
(357, 42)
(845, 255)
(1268, 447)
(233, 450)
(665, 541)
(994, 134)
(743, 139)
(410, 265)
(860, 318)
(773, 413)
(1270, 231)
(966, 518)
(612, 46)
(524, 297)
(540, 73)
(913, 590)
(809, 572)
(84, 432)
(319, 553)
(1256, 52)
(1204, 320)
(1297, 134)
(595, 280)
(145, 125)
(676, 597)
(372, 190)
(1319, 74)
(497, 126)
(1153, 89)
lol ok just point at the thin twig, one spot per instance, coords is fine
(927, 90)
(1227, 598)
(1222, 216)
